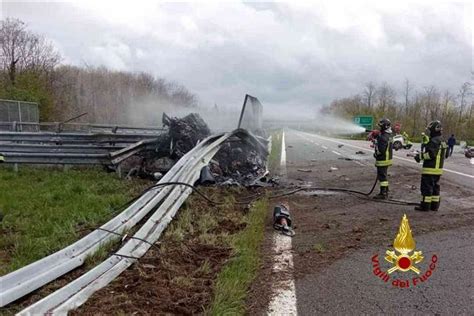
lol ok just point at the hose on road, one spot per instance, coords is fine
(360, 194)
(247, 200)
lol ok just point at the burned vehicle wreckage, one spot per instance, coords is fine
(239, 161)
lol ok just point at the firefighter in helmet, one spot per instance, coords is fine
(383, 156)
(433, 156)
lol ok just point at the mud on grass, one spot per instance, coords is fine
(177, 276)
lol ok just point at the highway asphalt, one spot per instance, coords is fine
(348, 285)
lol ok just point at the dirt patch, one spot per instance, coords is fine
(177, 280)
(176, 277)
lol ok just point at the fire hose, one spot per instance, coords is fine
(359, 194)
(286, 229)
(248, 199)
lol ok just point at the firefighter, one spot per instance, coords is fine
(433, 158)
(383, 156)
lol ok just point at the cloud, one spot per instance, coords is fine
(301, 54)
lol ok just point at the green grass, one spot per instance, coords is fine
(46, 209)
(234, 279)
(102, 253)
(274, 157)
(319, 248)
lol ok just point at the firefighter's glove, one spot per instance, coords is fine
(375, 155)
(417, 158)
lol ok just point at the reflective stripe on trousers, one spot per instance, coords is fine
(426, 199)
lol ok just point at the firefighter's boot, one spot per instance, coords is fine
(383, 195)
(435, 206)
(423, 207)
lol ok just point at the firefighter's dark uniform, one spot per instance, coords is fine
(383, 159)
(433, 157)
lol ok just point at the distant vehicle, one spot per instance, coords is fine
(469, 152)
(400, 141)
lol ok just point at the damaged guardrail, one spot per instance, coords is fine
(71, 148)
(73, 138)
(59, 127)
(169, 199)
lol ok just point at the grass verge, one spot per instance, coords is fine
(178, 274)
(275, 154)
(234, 279)
(46, 209)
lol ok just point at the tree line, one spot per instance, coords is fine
(413, 107)
(31, 70)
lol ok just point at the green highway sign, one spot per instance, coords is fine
(366, 121)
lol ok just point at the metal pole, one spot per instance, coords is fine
(243, 110)
(19, 115)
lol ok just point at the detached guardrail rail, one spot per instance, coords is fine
(73, 148)
(59, 127)
(165, 201)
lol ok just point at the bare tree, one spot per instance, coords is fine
(406, 94)
(23, 50)
(385, 96)
(431, 103)
(369, 94)
(470, 113)
(464, 92)
(447, 99)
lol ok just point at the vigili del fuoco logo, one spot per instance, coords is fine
(405, 258)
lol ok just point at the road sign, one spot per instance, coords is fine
(366, 121)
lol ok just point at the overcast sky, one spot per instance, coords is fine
(285, 54)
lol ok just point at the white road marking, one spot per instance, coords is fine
(337, 153)
(283, 155)
(324, 147)
(396, 157)
(283, 301)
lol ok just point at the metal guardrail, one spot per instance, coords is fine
(57, 158)
(72, 138)
(53, 148)
(72, 148)
(59, 127)
(169, 199)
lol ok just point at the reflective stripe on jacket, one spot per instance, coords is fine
(433, 156)
(383, 150)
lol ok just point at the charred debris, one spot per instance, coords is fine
(239, 162)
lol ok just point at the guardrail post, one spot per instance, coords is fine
(15, 167)
(119, 171)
